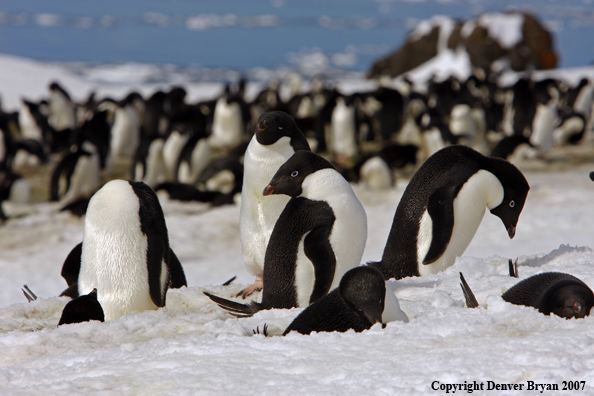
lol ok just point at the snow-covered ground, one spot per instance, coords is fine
(191, 347)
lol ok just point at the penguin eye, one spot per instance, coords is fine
(512, 203)
(280, 128)
(577, 307)
(294, 174)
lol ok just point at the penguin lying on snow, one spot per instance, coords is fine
(550, 292)
(276, 139)
(319, 236)
(361, 300)
(82, 309)
(125, 251)
(443, 206)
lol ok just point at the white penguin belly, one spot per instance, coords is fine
(349, 233)
(481, 191)
(343, 131)
(304, 276)
(543, 126)
(258, 214)
(114, 250)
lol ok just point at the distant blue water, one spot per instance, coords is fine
(245, 34)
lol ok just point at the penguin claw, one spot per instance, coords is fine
(513, 268)
(468, 294)
(28, 293)
(264, 330)
(255, 287)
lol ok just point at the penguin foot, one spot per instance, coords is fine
(28, 293)
(468, 294)
(513, 269)
(254, 287)
(235, 308)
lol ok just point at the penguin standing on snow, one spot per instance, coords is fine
(318, 237)
(125, 251)
(443, 206)
(276, 139)
(357, 303)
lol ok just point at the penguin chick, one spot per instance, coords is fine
(82, 309)
(443, 206)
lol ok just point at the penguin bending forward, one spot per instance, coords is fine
(125, 251)
(318, 237)
(82, 309)
(442, 207)
(276, 139)
(360, 301)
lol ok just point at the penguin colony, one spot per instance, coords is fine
(302, 227)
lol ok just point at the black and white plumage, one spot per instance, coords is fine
(443, 206)
(360, 301)
(276, 139)
(82, 309)
(125, 251)
(318, 237)
(553, 292)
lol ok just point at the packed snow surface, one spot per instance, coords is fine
(192, 347)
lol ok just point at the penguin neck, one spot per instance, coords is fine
(325, 185)
(484, 187)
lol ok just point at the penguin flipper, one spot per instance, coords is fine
(441, 209)
(154, 262)
(234, 308)
(318, 249)
(468, 294)
(178, 277)
(70, 271)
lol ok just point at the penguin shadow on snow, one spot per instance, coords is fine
(561, 251)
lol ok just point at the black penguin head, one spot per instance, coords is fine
(273, 125)
(592, 176)
(569, 301)
(515, 190)
(363, 290)
(289, 178)
(82, 309)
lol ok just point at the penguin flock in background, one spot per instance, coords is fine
(302, 227)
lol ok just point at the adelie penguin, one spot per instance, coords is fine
(82, 309)
(125, 251)
(318, 237)
(443, 206)
(276, 139)
(550, 292)
(361, 300)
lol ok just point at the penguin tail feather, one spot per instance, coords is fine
(468, 294)
(28, 293)
(513, 268)
(234, 308)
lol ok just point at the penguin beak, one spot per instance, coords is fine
(269, 190)
(511, 231)
(262, 126)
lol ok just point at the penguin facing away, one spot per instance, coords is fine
(82, 309)
(319, 236)
(442, 207)
(358, 303)
(125, 252)
(276, 139)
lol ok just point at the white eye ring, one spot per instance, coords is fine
(280, 128)
(295, 173)
(512, 203)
